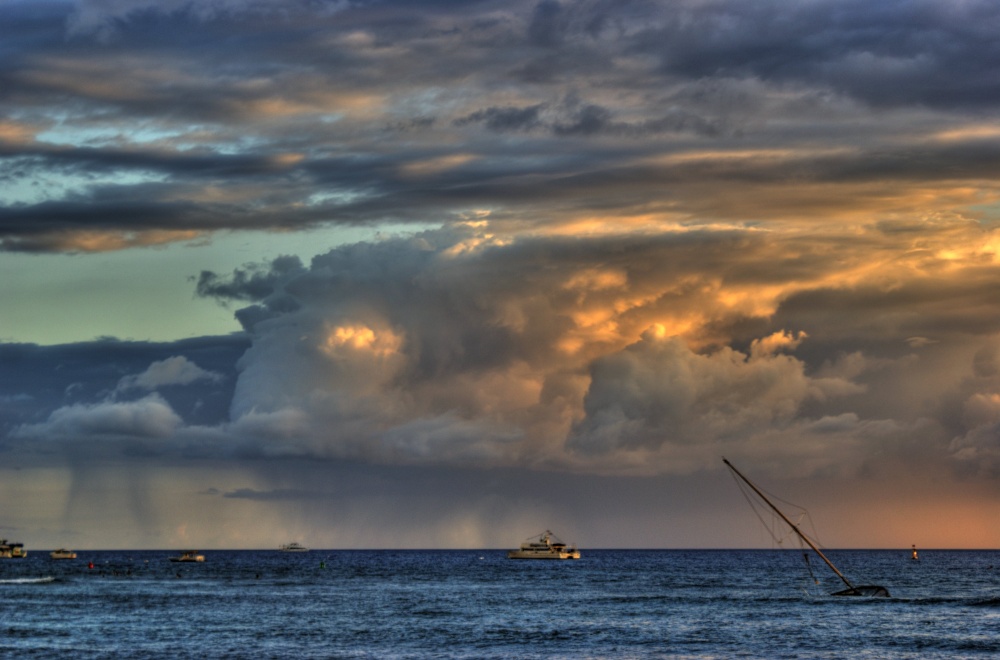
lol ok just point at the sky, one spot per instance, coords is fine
(441, 274)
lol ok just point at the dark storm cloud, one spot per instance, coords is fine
(887, 54)
(505, 119)
(547, 25)
(150, 117)
(591, 119)
(36, 380)
(252, 283)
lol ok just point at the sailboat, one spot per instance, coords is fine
(871, 590)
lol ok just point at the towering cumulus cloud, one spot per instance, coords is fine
(627, 354)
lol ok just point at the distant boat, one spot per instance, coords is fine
(189, 556)
(544, 546)
(62, 553)
(11, 550)
(293, 547)
(851, 590)
(915, 556)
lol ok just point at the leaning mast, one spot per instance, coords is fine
(794, 527)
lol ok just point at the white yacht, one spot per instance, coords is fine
(544, 546)
(188, 556)
(11, 550)
(293, 547)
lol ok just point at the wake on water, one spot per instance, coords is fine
(38, 580)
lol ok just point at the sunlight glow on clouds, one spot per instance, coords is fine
(596, 242)
(650, 393)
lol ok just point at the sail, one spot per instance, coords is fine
(870, 590)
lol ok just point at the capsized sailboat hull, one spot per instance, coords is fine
(868, 590)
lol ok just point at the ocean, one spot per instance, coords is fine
(479, 604)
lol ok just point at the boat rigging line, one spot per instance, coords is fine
(755, 506)
(851, 590)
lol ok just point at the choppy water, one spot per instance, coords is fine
(478, 604)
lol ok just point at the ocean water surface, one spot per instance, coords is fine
(479, 604)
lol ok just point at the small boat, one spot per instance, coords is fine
(11, 550)
(544, 546)
(62, 553)
(293, 547)
(189, 556)
(872, 590)
(914, 556)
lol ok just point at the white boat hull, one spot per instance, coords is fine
(518, 554)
